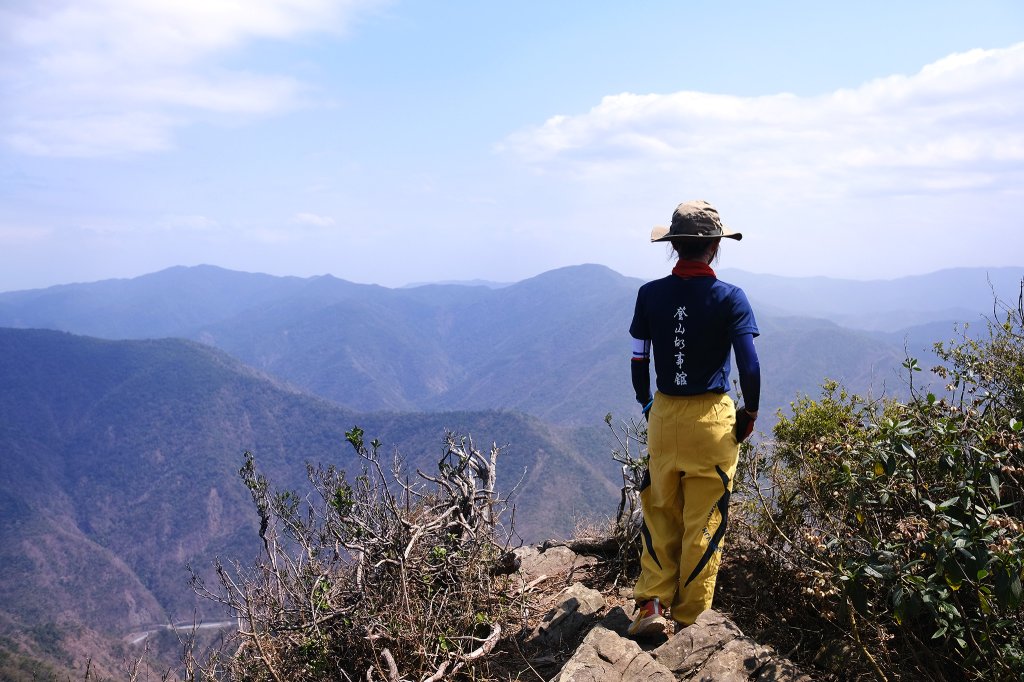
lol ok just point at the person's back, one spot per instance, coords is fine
(691, 320)
(691, 323)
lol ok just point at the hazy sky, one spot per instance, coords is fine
(407, 141)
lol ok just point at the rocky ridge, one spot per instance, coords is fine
(582, 634)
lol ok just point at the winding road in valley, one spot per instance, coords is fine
(139, 636)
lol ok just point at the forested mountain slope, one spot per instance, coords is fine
(121, 458)
(554, 346)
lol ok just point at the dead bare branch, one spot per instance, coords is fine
(379, 576)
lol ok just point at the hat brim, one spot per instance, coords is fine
(661, 234)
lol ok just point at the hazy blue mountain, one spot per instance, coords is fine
(554, 346)
(919, 339)
(947, 296)
(461, 282)
(120, 457)
(151, 306)
(798, 353)
(120, 463)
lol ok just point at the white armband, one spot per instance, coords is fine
(641, 349)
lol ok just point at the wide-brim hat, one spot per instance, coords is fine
(694, 220)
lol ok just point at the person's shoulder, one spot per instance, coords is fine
(731, 288)
(731, 292)
(656, 284)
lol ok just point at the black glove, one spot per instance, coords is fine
(647, 408)
(744, 425)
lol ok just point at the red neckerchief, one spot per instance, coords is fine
(691, 268)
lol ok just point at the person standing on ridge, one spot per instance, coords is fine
(692, 319)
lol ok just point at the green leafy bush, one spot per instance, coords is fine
(902, 522)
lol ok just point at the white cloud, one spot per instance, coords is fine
(16, 235)
(166, 223)
(187, 223)
(953, 126)
(313, 219)
(97, 133)
(97, 77)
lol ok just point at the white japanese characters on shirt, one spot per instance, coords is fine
(680, 343)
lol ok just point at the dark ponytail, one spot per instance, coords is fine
(693, 249)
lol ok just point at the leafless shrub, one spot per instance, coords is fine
(631, 454)
(372, 578)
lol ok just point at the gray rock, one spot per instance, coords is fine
(714, 649)
(555, 562)
(617, 620)
(604, 656)
(693, 646)
(578, 606)
(739, 660)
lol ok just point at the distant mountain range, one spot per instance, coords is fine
(553, 346)
(892, 305)
(121, 458)
(125, 405)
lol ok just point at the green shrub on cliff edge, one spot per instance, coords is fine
(903, 523)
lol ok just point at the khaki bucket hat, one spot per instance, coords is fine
(694, 220)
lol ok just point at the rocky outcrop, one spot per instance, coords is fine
(555, 561)
(606, 656)
(578, 608)
(713, 649)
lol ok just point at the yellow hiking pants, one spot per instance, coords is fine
(685, 500)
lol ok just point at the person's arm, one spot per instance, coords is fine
(750, 384)
(640, 369)
(750, 371)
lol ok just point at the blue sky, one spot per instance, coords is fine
(397, 142)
